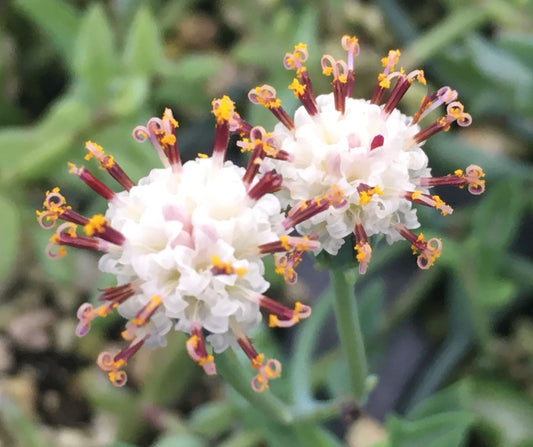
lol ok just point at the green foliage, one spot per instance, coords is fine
(442, 421)
(504, 414)
(58, 19)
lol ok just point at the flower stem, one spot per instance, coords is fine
(349, 330)
(229, 366)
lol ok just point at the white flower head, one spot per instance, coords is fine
(186, 246)
(357, 166)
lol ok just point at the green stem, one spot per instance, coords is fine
(229, 367)
(349, 330)
(306, 340)
(319, 412)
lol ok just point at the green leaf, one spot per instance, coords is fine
(316, 436)
(504, 69)
(57, 18)
(95, 61)
(455, 397)
(162, 384)
(520, 45)
(186, 83)
(143, 51)
(495, 292)
(29, 153)
(497, 217)
(497, 63)
(441, 421)
(211, 419)
(440, 430)
(9, 235)
(180, 441)
(504, 409)
(129, 94)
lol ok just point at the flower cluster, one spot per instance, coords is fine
(367, 151)
(186, 242)
(185, 245)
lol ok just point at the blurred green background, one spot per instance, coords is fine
(453, 346)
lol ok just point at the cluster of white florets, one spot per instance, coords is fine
(174, 224)
(334, 148)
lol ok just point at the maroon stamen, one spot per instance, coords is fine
(269, 183)
(91, 181)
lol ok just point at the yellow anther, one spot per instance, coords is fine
(265, 95)
(350, 43)
(207, 359)
(365, 197)
(272, 320)
(383, 81)
(416, 195)
(302, 205)
(391, 59)
(303, 244)
(103, 311)
(192, 341)
(300, 47)
(168, 140)
(224, 110)
(297, 88)
(155, 301)
(168, 116)
(360, 253)
(257, 362)
(438, 201)
(240, 271)
(95, 150)
(201, 155)
(95, 147)
(420, 77)
(97, 224)
(72, 168)
(215, 260)
(285, 242)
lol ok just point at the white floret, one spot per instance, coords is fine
(174, 223)
(334, 149)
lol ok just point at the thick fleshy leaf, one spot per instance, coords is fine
(143, 51)
(95, 61)
(440, 430)
(30, 153)
(211, 419)
(504, 409)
